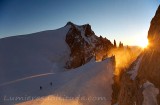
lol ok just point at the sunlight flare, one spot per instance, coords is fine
(143, 42)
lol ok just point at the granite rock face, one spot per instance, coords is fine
(84, 44)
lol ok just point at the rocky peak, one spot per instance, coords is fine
(88, 30)
(69, 23)
(154, 30)
(83, 44)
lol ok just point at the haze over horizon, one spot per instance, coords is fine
(126, 21)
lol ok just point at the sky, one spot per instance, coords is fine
(124, 20)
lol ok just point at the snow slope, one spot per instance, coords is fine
(28, 62)
(134, 70)
(90, 84)
(37, 53)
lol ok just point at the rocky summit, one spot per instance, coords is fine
(84, 44)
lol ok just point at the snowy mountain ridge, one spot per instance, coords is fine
(68, 47)
(27, 62)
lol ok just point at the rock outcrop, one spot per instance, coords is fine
(149, 68)
(145, 70)
(154, 30)
(84, 44)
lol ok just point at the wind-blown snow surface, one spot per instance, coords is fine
(90, 84)
(150, 93)
(27, 55)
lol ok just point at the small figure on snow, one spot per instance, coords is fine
(51, 83)
(40, 87)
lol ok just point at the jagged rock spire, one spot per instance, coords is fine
(154, 30)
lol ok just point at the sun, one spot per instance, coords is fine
(143, 43)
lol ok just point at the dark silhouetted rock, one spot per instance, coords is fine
(115, 45)
(148, 70)
(154, 30)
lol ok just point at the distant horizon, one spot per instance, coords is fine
(126, 21)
